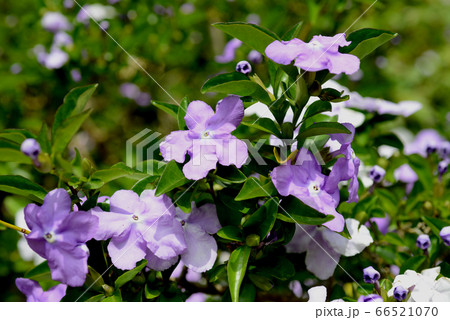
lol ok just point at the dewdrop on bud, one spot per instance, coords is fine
(243, 67)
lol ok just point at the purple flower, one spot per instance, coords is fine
(305, 181)
(229, 51)
(60, 236)
(53, 60)
(15, 68)
(62, 39)
(444, 150)
(370, 275)
(55, 21)
(96, 11)
(76, 75)
(34, 293)
(400, 293)
(382, 223)
(208, 139)
(347, 167)
(31, 148)
(377, 174)
(143, 99)
(243, 67)
(405, 174)
(370, 298)
(445, 235)
(426, 142)
(255, 57)
(296, 288)
(139, 227)
(129, 90)
(319, 54)
(423, 241)
(201, 252)
(68, 4)
(197, 297)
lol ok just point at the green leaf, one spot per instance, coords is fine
(435, 224)
(423, 170)
(229, 174)
(231, 233)
(238, 84)
(94, 280)
(294, 211)
(389, 140)
(320, 128)
(330, 94)
(217, 273)
(263, 219)
(129, 275)
(237, 266)
(413, 263)
(116, 297)
(445, 269)
(171, 178)
(73, 104)
(253, 188)
(44, 140)
(13, 155)
(167, 107)
(293, 32)
(181, 113)
(262, 282)
(316, 107)
(281, 268)
(66, 130)
(117, 171)
(22, 187)
(255, 36)
(96, 298)
(364, 41)
(151, 293)
(42, 274)
(264, 124)
(15, 137)
(248, 293)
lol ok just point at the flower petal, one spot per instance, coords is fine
(229, 113)
(321, 259)
(197, 114)
(341, 62)
(233, 151)
(201, 250)
(158, 264)
(127, 250)
(205, 217)
(111, 224)
(202, 161)
(124, 201)
(56, 207)
(77, 228)
(317, 294)
(284, 52)
(165, 238)
(175, 146)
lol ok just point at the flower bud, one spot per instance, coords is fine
(255, 57)
(243, 67)
(445, 235)
(31, 148)
(370, 298)
(400, 293)
(377, 174)
(423, 241)
(442, 167)
(370, 275)
(444, 150)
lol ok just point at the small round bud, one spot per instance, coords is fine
(370, 275)
(445, 235)
(442, 167)
(31, 148)
(400, 293)
(377, 174)
(243, 67)
(370, 298)
(423, 241)
(255, 57)
(444, 150)
(252, 240)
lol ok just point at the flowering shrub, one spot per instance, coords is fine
(244, 208)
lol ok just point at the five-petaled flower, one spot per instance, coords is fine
(208, 139)
(60, 236)
(139, 226)
(319, 54)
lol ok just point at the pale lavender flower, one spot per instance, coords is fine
(444, 150)
(15, 68)
(320, 53)
(208, 139)
(407, 175)
(377, 174)
(61, 39)
(445, 235)
(55, 21)
(423, 241)
(143, 99)
(201, 252)
(187, 8)
(296, 288)
(139, 227)
(400, 293)
(305, 181)
(197, 297)
(371, 298)
(55, 59)
(76, 75)
(34, 293)
(229, 52)
(442, 167)
(96, 11)
(243, 67)
(382, 223)
(255, 57)
(370, 275)
(129, 90)
(60, 236)
(324, 247)
(347, 167)
(426, 142)
(31, 148)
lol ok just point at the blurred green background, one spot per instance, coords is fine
(175, 43)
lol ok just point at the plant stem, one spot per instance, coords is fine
(11, 226)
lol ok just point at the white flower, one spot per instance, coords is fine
(424, 286)
(317, 294)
